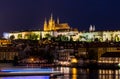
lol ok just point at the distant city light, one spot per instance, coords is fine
(74, 60)
(6, 35)
(119, 65)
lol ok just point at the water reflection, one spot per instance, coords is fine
(65, 70)
(78, 73)
(74, 73)
(109, 74)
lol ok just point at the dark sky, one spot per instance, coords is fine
(18, 15)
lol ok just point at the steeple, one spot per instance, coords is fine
(90, 28)
(93, 28)
(58, 21)
(45, 22)
(51, 23)
(45, 25)
(51, 18)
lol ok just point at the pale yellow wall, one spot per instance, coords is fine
(103, 35)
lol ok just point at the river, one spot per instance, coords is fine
(75, 73)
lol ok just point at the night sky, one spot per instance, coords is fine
(18, 15)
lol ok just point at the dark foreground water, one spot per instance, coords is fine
(76, 73)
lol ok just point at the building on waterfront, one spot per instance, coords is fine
(110, 58)
(64, 56)
(63, 30)
(4, 42)
(8, 53)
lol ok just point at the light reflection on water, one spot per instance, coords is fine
(76, 73)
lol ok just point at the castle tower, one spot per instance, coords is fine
(45, 25)
(58, 21)
(51, 18)
(93, 28)
(51, 25)
(90, 28)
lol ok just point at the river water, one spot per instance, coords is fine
(76, 73)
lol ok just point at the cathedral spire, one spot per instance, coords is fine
(58, 21)
(90, 28)
(45, 21)
(51, 18)
(45, 25)
(93, 28)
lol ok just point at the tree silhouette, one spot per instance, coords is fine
(19, 36)
(12, 37)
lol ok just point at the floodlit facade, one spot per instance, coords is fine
(52, 25)
(101, 36)
(4, 42)
(8, 53)
(54, 28)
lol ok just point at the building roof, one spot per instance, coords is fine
(62, 26)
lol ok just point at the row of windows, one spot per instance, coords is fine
(109, 72)
(63, 58)
(8, 55)
(109, 77)
(109, 60)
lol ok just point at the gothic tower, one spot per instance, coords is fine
(51, 24)
(94, 28)
(90, 28)
(45, 25)
(58, 21)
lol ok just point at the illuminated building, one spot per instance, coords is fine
(92, 28)
(110, 58)
(52, 25)
(54, 29)
(8, 53)
(64, 56)
(102, 36)
(4, 42)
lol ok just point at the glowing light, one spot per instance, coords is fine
(74, 73)
(32, 59)
(23, 70)
(74, 60)
(6, 35)
(119, 65)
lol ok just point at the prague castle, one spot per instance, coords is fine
(52, 25)
(54, 28)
